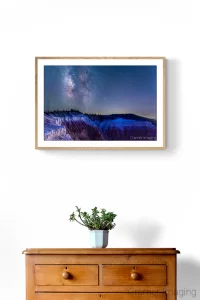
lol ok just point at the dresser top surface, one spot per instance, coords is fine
(101, 251)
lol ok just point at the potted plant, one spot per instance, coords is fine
(99, 222)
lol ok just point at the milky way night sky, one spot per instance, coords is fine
(101, 89)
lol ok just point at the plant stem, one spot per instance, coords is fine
(80, 222)
(79, 214)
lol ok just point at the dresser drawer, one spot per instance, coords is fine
(93, 296)
(66, 275)
(101, 274)
(134, 275)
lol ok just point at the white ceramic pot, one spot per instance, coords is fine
(99, 238)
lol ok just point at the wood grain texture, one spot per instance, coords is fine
(101, 273)
(116, 259)
(162, 58)
(79, 275)
(110, 296)
(171, 278)
(104, 251)
(30, 277)
(100, 57)
(147, 275)
(36, 102)
(164, 103)
(100, 148)
(101, 289)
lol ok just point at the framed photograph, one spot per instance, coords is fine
(100, 103)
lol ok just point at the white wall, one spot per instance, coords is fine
(155, 193)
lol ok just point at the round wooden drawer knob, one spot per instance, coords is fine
(65, 275)
(135, 276)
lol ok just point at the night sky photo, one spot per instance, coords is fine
(100, 102)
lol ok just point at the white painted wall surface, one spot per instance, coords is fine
(155, 193)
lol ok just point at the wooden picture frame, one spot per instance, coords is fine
(94, 103)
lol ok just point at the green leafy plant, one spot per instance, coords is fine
(97, 220)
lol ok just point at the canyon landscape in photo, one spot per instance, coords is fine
(96, 103)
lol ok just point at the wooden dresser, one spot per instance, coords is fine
(109, 274)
